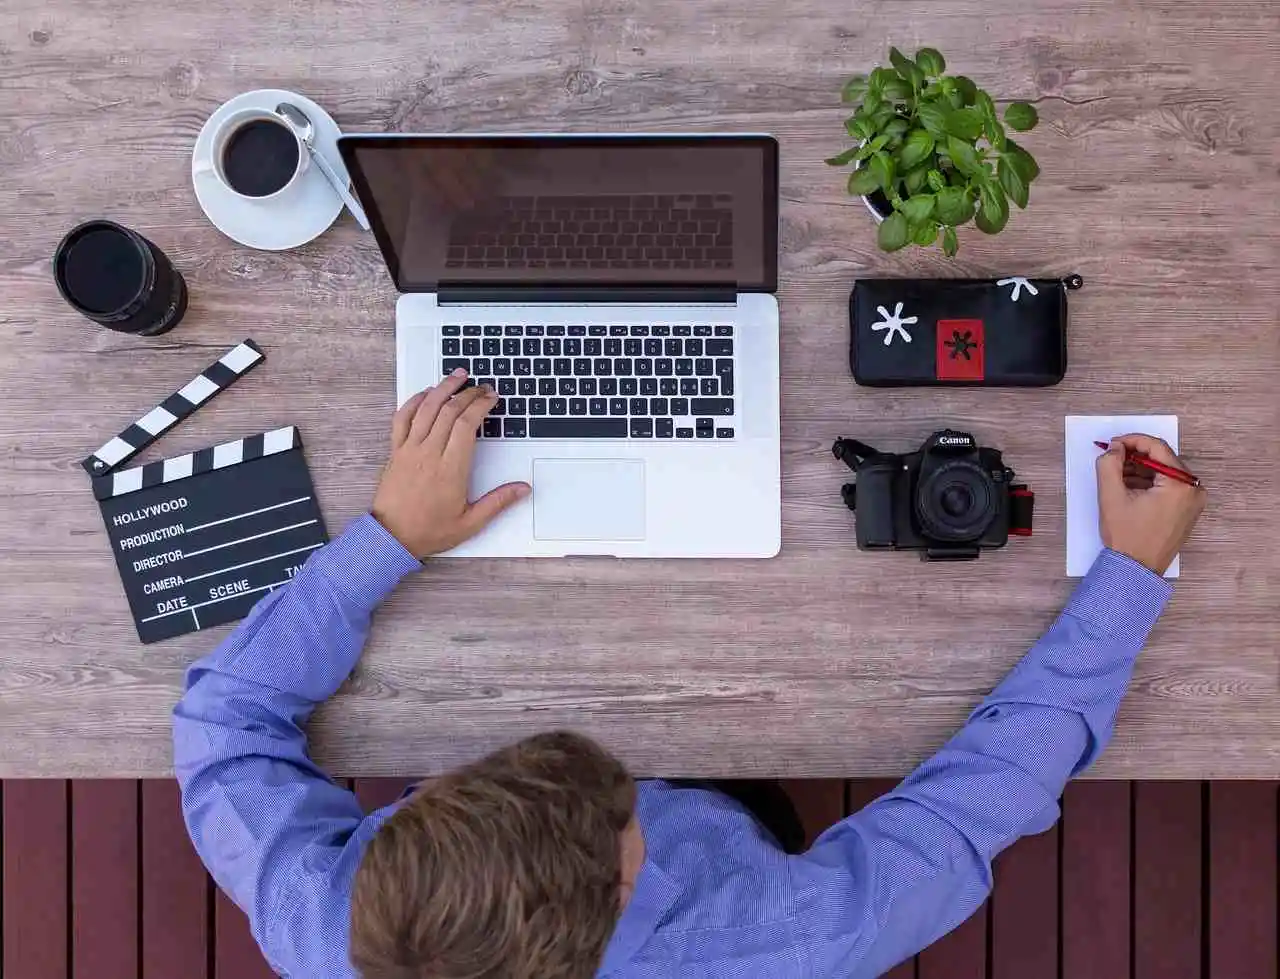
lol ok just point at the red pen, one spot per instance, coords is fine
(1138, 459)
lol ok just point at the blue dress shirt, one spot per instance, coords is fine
(716, 896)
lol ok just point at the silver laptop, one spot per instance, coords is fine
(618, 293)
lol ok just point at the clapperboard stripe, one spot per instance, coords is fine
(195, 463)
(217, 377)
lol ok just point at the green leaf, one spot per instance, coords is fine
(926, 234)
(936, 180)
(918, 208)
(901, 63)
(995, 133)
(879, 78)
(893, 233)
(967, 89)
(915, 179)
(1022, 161)
(954, 206)
(862, 182)
(871, 104)
(881, 165)
(906, 68)
(877, 144)
(854, 89)
(949, 243)
(858, 127)
(931, 62)
(1021, 116)
(963, 155)
(982, 102)
(897, 90)
(896, 127)
(964, 123)
(841, 159)
(1012, 182)
(917, 147)
(933, 117)
(993, 214)
(883, 116)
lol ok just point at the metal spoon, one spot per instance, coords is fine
(298, 121)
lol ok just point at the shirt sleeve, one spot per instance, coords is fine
(258, 809)
(893, 878)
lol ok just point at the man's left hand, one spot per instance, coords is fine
(422, 497)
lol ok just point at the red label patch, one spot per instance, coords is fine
(960, 348)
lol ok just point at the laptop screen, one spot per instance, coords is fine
(569, 210)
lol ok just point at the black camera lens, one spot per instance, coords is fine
(956, 501)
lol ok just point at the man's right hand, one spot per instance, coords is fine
(1141, 513)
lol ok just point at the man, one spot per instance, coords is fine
(545, 860)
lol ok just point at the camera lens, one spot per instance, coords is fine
(956, 501)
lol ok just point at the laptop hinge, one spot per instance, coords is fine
(585, 295)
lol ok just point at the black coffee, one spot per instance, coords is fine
(260, 158)
(104, 270)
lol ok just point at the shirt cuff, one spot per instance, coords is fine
(365, 562)
(1121, 597)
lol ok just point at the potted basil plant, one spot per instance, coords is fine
(932, 153)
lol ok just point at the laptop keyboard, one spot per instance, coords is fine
(685, 231)
(600, 381)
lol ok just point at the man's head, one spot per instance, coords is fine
(515, 866)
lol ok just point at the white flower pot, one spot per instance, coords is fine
(866, 199)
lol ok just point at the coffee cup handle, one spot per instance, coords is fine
(203, 167)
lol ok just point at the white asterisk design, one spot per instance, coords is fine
(1018, 283)
(894, 322)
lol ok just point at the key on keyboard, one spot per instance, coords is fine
(600, 381)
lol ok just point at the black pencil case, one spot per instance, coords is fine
(1008, 332)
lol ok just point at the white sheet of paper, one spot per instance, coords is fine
(1083, 540)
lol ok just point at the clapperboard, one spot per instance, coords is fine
(200, 538)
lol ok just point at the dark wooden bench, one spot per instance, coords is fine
(1144, 880)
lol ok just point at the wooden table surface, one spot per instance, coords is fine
(1159, 145)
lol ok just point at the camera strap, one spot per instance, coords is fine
(1022, 504)
(851, 452)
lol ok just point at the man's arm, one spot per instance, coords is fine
(264, 818)
(255, 804)
(889, 880)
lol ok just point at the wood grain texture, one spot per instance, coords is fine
(35, 879)
(1241, 891)
(175, 890)
(1158, 144)
(105, 889)
(1024, 908)
(819, 802)
(374, 793)
(1096, 869)
(1167, 880)
(236, 955)
(960, 954)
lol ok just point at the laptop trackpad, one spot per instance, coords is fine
(596, 499)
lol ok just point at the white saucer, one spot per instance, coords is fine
(295, 217)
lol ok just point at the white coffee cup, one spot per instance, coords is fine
(228, 128)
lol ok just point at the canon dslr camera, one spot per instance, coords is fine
(949, 500)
